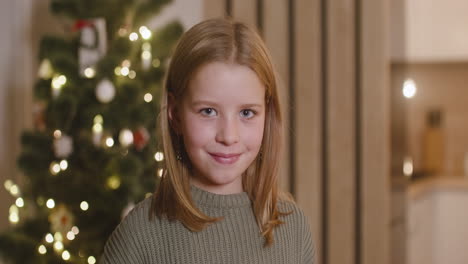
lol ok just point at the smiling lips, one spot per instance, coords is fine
(226, 159)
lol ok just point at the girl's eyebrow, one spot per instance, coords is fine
(204, 102)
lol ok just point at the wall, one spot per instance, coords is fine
(429, 30)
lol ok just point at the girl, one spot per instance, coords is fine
(218, 200)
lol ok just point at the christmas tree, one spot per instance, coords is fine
(93, 151)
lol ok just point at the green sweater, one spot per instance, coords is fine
(235, 239)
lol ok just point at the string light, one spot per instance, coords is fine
(409, 88)
(159, 156)
(63, 164)
(97, 128)
(50, 203)
(89, 73)
(58, 246)
(14, 190)
(57, 83)
(98, 119)
(14, 218)
(57, 133)
(126, 137)
(113, 182)
(75, 230)
(133, 36)
(132, 74)
(19, 202)
(117, 70)
(124, 71)
(109, 142)
(84, 205)
(42, 249)
(145, 32)
(70, 235)
(8, 184)
(91, 260)
(66, 255)
(148, 97)
(58, 236)
(156, 63)
(49, 238)
(54, 168)
(160, 172)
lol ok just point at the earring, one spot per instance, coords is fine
(178, 156)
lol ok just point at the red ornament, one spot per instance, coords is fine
(79, 24)
(140, 138)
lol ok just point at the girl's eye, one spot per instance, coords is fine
(208, 112)
(247, 113)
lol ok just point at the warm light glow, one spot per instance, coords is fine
(63, 164)
(109, 142)
(132, 74)
(146, 55)
(89, 72)
(58, 82)
(408, 167)
(65, 255)
(98, 119)
(8, 184)
(14, 218)
(125, 71)
(14, 209)
(91, 260)
(57, 134)
(126, 63)
(117, 70)
(84, 205)
(146, 46)
(113, 182)
(42, 249)
(49, 238)
(409, 88)
(159, 156)
(97, 128)
(160, 172)
(58, 246)
(145, 32)
(58, 236)
(50, 203)
(133, 36)
(19, 202)
(148, 97)
(75, 230)
(70, 235)
(156, 63)
(126, 137)
(54, 168)
(14, 190)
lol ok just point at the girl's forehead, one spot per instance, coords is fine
(226, 81)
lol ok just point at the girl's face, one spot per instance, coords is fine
(221, 119)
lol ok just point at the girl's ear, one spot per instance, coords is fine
(173, 115)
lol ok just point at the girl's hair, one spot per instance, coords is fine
(220, 40)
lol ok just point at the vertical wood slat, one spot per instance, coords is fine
(245, 11)
(275, 34)
(214, 8)
(308, 116)
(375, 131)
(341, 121)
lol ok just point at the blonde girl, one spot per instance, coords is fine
(218, 200)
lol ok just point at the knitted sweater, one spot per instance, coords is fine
(234, 239)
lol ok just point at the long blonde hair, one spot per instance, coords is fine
(220, 40)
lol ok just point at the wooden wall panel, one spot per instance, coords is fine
(245, 11)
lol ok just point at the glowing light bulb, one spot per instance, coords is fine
(109, 142)
(66, 255)
(49, 238)
(63, 164)
(8, 184)
(409, 88)
(57, 133)
(89, 72)
(50, 203)
(133, 36)
(159, 156)
(132, 74)
(97, 128)
(408, 167)
(14, 218)
(42, 249)
(146, 55)
(14, 190)
(70, 235)
(75, 230)
(58, 236)
(54, 168)
(160, 172)
(91, 260)
(126, 137)
(84, 206)
(156, 63)
(98, 119)
(58, 246)
(148, 97)
(117, 70)
(113, 182)
(19, 202)
(124, 71)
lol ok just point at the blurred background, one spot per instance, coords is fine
(375, 104)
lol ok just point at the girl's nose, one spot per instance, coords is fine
(228, 133)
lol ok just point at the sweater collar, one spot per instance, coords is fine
(209, 199)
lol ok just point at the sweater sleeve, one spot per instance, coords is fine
(308, 248)
(125, 244)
